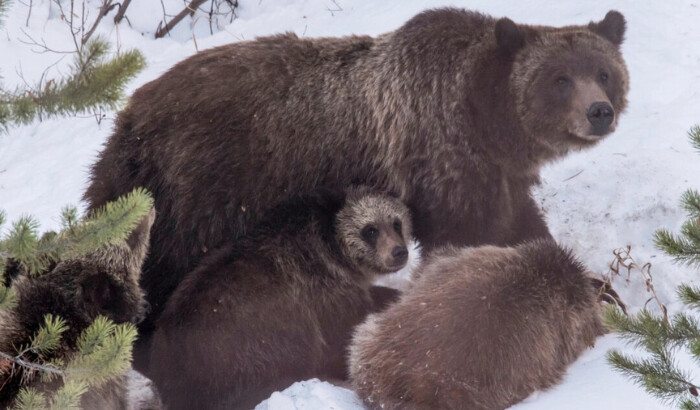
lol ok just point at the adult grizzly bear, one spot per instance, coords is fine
(279, 305)
(105, 282)
(455, 111)
(480, 328)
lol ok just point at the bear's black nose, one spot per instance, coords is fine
(400, 254)
(601, 115)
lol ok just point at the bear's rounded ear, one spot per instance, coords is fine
(509, 38)
(612, 27)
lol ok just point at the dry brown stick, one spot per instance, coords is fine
(107, 6)
(122, 10)
(623, 258)
(190, 9)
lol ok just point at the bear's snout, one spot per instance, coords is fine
(400, 255)
(600, 115)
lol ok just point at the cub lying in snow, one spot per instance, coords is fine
(480, 328)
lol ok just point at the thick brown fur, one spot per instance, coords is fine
(105, 282)
(276, 307)
(455, 111)
(481, 328)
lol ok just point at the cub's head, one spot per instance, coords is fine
(108, 279)
(374, 229)
(570, 83)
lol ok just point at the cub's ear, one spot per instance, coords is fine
(509, 37)
(612, 27)
(140, 236)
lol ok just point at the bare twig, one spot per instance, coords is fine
(189, 10)
(573, 176)
(122, 10)
(29, 365)
(42, 45)
(107, 6)
(29, 13)
(336, 9)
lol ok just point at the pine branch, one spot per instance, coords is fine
(68, 396)
(107, 226)
(694, 135)
(691, 203)
(690, 404)
(93, 336)
(659, 376)
(31, 365)
(4, 6)
(48, 337)
(110, 224)
(94, 83)
(22, 242)
(29, 399)
(8, 297)
(680, 248)
(689, 295)
(108, 359)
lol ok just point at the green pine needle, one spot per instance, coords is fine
(4, 6)
(107, 226)
(690, 404)
(69, 217)
(107, 360)
(691, 203)
(68, 397)
(694, 135)
(22, 241)
(55, 363)
(682, 250)
(29, 399)
(94, 82)
(112, 223)
(689, 295)
(48, 337)
(659, 375)
(8, 297)
(95, 335)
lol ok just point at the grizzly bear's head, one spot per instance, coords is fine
(570, 83)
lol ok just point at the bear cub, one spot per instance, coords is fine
(480, 328)
(105, 282)
(279, 305)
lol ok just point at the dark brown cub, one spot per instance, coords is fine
(104, 283)
(278, 306)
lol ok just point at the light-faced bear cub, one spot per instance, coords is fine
(480, 328)
(278, 306)
(105, 282)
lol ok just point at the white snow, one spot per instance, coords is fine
(614, 195)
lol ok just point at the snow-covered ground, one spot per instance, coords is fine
(614, 195)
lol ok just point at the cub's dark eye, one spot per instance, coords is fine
(563, 81)
(603, 76)
(397, 226)
(369, 234)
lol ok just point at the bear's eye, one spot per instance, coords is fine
(369, 234)
(603, 76)
(563, 81)
(397, 226)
